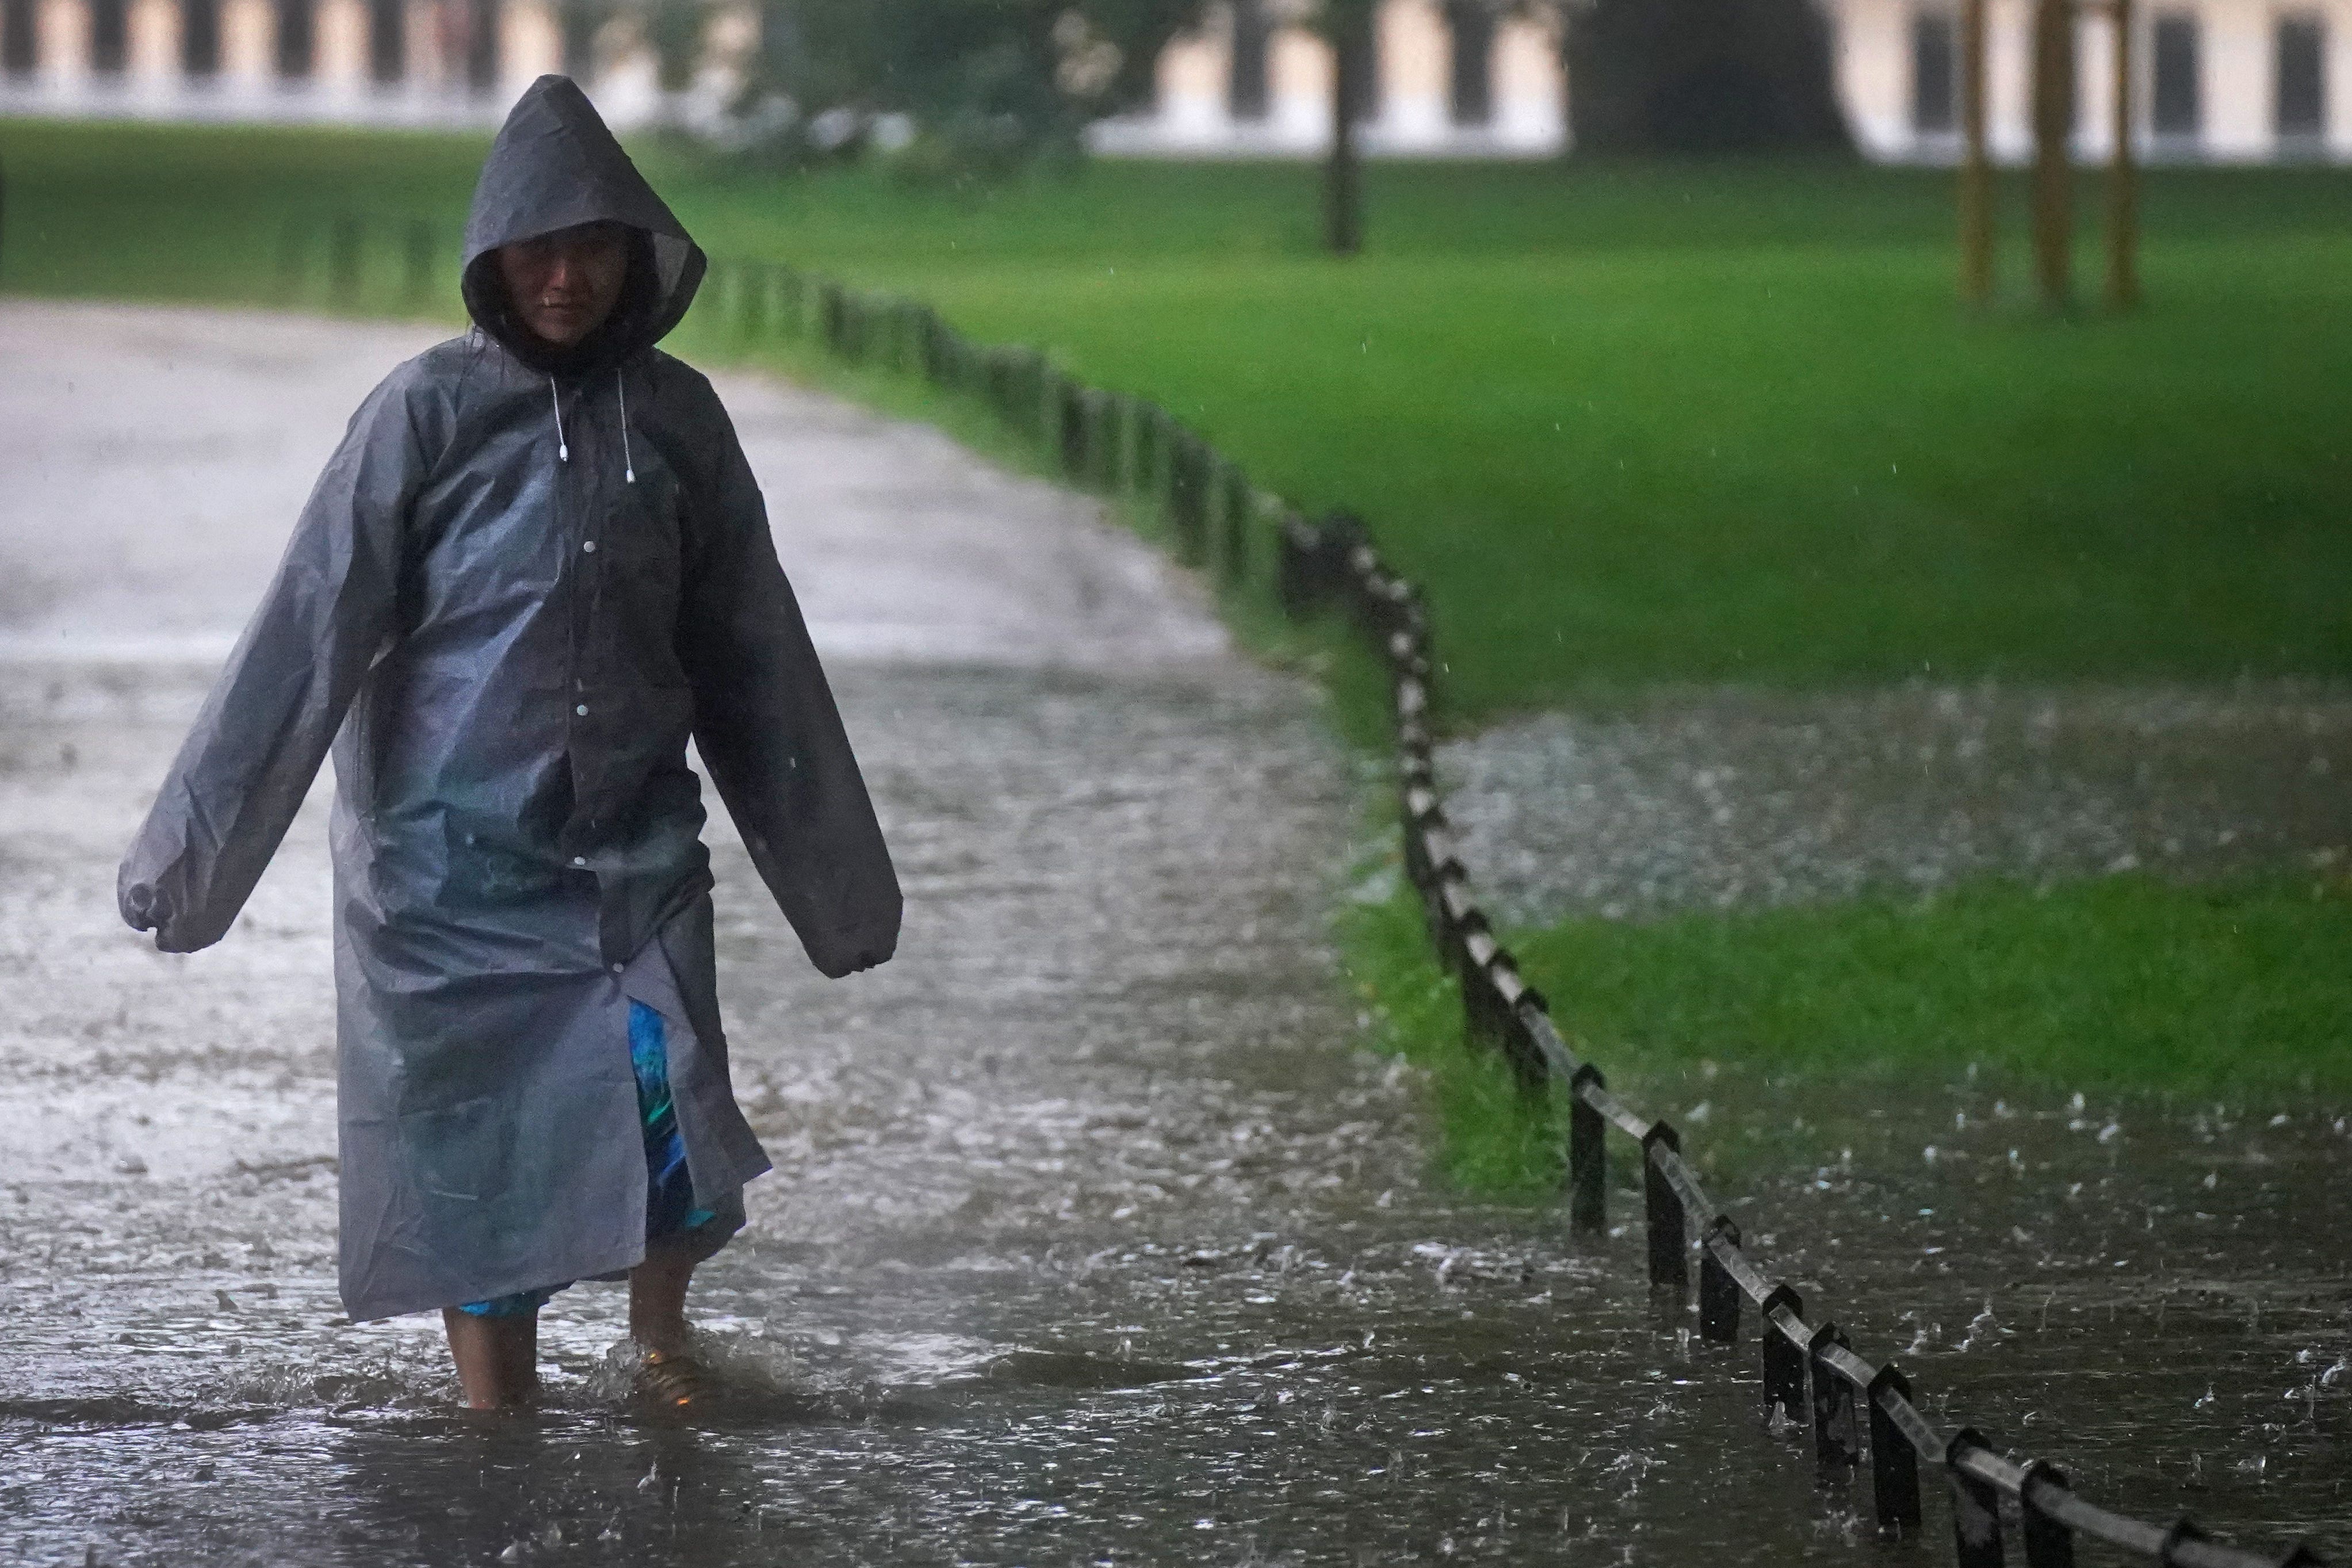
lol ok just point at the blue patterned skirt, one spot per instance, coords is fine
(671, 1213)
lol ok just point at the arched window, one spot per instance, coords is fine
(1472, 25)
(387, 40)
(482, 46)
(20, 37)
(109, 35)
(200, 37)
(2176, 101)
(297, 37)
(1934, 73)
(1363, 46)
(1247, 84)
(2299, 104)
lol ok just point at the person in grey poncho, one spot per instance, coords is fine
(537, 565)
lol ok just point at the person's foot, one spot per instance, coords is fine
(672, 1380)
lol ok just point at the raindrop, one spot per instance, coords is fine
(2206, 1401)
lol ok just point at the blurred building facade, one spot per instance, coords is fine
(383, 62)
(2215, 79)
(2218, 80)
(1450, 77)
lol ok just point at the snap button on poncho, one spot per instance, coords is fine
(444, 595)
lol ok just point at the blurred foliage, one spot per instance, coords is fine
(673, 32)
(1702, 77)
(981, 87)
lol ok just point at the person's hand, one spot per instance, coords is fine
(143, 909)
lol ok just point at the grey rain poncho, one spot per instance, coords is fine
(518, 590)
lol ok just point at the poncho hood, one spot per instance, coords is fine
(556, 164)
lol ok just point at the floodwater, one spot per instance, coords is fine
(1723, 798)
(1094, 1236)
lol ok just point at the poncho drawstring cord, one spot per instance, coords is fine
(564, 449)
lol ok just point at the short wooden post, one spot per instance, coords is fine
(1588, 1157)
(2123, 175)
(1976, 164)
(2054, 163)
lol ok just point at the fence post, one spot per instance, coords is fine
(1235, 553)
(1069, 411)
(1669, 1237)
(1188, 464)
(1298, 549)
(1784, 1364)
(1718, 1293)
(1976, 1506)
(1588, 1157)
(2048, 1543)
(1835, 1441)
(1894, 1462)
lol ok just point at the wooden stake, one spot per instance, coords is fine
(2123, 177)
(1976, 170)
(2054, 114)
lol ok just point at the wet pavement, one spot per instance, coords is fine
(1093, 1237)
(1742, 798)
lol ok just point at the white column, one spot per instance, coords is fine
(340, 68)
(1530, 87)
(421, 67)
(249, 29)
(1873, 73)
(1299, 72)
(2009, 79)
(531, 44)
(1416, 59)
(65, 42)
(155, 62)
(2235, 59)
(1192, 86)
(2095, 86)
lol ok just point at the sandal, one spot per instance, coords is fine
(673, 1380)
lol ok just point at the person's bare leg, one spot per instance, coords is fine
(497, 1358)
(657, 1303)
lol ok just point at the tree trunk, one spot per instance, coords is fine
(2054, 125)
(2123, 177)
(1343, 192)
(1976, 167)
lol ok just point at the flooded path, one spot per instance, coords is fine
(1093, 1237)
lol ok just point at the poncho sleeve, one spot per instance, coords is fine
(257, 744)
(767, 728)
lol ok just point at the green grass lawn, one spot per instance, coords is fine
(1631, 428)
(2237, 991)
